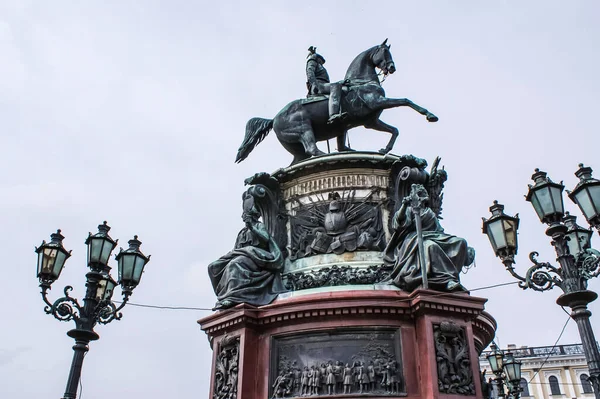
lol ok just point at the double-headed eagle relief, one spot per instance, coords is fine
(347, 218)
(331, 109)
(337, 224)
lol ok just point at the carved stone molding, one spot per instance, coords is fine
(338, 180)
(453, 359)
(226, 368)
(337, 275)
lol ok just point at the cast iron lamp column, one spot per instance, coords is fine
(505, 368)
(578, 262)
(97, 302)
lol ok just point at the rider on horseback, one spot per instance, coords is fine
(299, 127)
(318, 84)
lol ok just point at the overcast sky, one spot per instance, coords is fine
(132, 112)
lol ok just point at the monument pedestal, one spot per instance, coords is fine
(342, 330)
(430, 335)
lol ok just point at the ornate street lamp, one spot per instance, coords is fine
(507, 371)
(98, 306)
(578, 262)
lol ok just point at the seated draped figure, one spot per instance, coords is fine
(251, 272)
(445, 255)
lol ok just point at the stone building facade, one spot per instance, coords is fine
(549, 372)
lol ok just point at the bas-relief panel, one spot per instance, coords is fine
(355, 362)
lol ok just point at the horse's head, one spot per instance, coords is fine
(382, 58)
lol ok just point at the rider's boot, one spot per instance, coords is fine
(335, 106)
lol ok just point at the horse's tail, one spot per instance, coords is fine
(256, 130)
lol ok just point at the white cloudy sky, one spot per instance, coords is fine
(132, 112)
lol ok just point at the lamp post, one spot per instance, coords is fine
(98, 306)
(578, 262)
(507, 371)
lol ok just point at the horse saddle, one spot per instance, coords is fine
(314, 99)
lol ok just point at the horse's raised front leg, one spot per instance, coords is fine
(380, 125)
(386, 103)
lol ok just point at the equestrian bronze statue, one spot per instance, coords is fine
(301, 123)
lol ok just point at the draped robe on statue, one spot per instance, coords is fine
(445, 254)
(250, 273)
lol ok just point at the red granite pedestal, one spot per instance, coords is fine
(247, 337)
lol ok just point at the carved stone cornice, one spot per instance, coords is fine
(358, 159)
(435, 302)
(353, 305)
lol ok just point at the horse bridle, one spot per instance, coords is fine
(388, 63)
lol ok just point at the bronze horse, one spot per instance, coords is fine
(301, 123)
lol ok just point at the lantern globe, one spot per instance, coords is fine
(131, 264)
(501, 230)
(495, 359)
(578, 237)
(51, 258)
(586, 195)
(106, 287)
(100, 246)
(546, 198)
(512, 368)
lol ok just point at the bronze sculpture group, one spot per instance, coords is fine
(419, 253)
(251, 272)
(329, 224)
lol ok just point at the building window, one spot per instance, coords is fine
(554, 386)
(585, 383)
(524, 387)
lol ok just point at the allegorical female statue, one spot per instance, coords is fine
(444, 254)
(250, 273)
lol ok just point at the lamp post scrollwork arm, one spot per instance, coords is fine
(542, 276)
(64, 309)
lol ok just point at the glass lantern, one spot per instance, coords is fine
(131, 264)
(106, 287)
(512, 368)
(578, 237)
(51, 258)
(501, 230)
(546, 198)
(587, 195)
(496, 359)
(100, 246)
